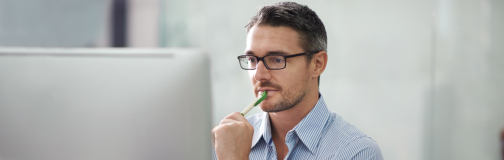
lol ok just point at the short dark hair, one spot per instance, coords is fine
(311, 30)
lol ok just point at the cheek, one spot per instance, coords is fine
(251, 74)
(294, 78)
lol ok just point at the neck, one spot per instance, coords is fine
(284, 121)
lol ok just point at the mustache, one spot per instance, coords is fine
(267, 84)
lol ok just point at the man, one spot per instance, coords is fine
(285, 55)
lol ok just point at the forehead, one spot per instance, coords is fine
(263, 39)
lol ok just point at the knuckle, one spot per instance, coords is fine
(215, 130)
(244, 125)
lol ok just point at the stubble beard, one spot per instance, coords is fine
(289, 98)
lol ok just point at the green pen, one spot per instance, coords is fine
(254, 103)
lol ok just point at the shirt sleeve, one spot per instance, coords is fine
(363, 148)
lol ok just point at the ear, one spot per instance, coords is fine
(319, 62)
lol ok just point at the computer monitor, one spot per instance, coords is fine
(103, 104)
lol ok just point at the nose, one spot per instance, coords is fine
(261, 72)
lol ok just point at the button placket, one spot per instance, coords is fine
(291, 141)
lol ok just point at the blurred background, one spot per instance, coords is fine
(424, 78)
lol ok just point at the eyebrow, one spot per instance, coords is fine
(269, 53)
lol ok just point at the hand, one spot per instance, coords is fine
(233, 137)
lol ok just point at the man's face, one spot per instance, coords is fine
(285, 87)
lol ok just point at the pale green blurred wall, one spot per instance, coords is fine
(53, 23)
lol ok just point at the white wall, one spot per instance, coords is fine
(468, 106)
(422, 78)
(377, 75)
(143, 23)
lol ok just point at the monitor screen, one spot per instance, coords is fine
(89, 104)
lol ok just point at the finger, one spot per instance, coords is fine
(224, 121)
(238, 116)
(231, 116)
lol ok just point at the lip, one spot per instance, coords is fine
(262, 89)
(268, 90)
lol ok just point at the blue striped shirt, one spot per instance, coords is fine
(320, 135)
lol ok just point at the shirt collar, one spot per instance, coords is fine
(264, 131)
(308, 130)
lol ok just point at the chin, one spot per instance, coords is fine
(270, 109)
(266, 106)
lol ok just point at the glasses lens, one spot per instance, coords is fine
(248, 62)
(275, 62)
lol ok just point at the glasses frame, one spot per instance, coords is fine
(266, 65)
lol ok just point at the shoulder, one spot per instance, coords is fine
(361, 148)
(349, 142)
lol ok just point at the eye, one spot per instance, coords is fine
(278, 60)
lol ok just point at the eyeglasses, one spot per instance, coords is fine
(273, 62)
